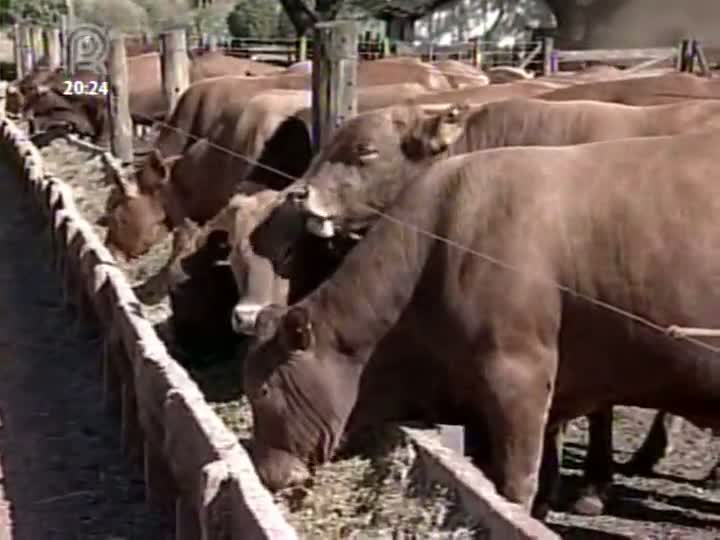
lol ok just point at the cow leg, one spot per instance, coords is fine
(597, 479)
(549, 483)
(655, 447)
(519, 391)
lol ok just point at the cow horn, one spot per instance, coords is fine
(42, 89)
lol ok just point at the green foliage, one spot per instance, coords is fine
(163, 14)
(212, 19)
(254, 18)
(285, 28)
(40, 11)
(123, 15)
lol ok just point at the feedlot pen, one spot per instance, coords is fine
(63, 474)
(62, 471)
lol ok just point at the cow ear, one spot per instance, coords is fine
(447, 127)
(297, 329)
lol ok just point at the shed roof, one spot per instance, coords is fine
(403, 8)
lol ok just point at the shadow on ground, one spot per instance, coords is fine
(63, 471)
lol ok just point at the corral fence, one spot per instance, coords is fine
(539, 56)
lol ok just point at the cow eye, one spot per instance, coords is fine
(367, 152)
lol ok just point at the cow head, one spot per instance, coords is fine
(301, 391)
(369, 160)
(139, 217)
(265, 233)
(50, 110)
(202, 290)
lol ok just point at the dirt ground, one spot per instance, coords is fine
(62, 472)
(363, 494)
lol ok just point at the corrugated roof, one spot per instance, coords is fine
(404, 8)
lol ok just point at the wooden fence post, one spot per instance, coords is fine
(175, 65)
(18, 51)
(3, 98)
(699, 55)
(334, 77)
(54, 49)
(119, 100)
(386, 47)
(475, 52)
(27, 59)
(548, 65)
(64, 33)
(302, 49)
(36, 42)
(683, 56)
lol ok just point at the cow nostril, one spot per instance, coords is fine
(243, 319)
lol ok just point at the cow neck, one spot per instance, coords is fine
(367, 294)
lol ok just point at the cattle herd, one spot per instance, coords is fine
(480, 248)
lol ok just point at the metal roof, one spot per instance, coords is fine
(404, 8)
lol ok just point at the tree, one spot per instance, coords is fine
(304, 15)
(253, 18)
(40, 11)
(125, 15)
(212, 18)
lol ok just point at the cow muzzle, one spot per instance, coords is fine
(278, 469)
(322, 227)
(319, 220)
(244, 317)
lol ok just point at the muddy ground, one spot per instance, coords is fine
(62, 471)
(374, 497)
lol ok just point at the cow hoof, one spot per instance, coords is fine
(589, 503)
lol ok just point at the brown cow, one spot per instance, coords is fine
(345, 197)
(506, 74)
(160, 197)
(533, 122)
(217, 64)
(147, 101)
(519, 122)
(204, 103)
(534, 356)
(494, 92)
(657, 90)
(459, 74)
(165, 194)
